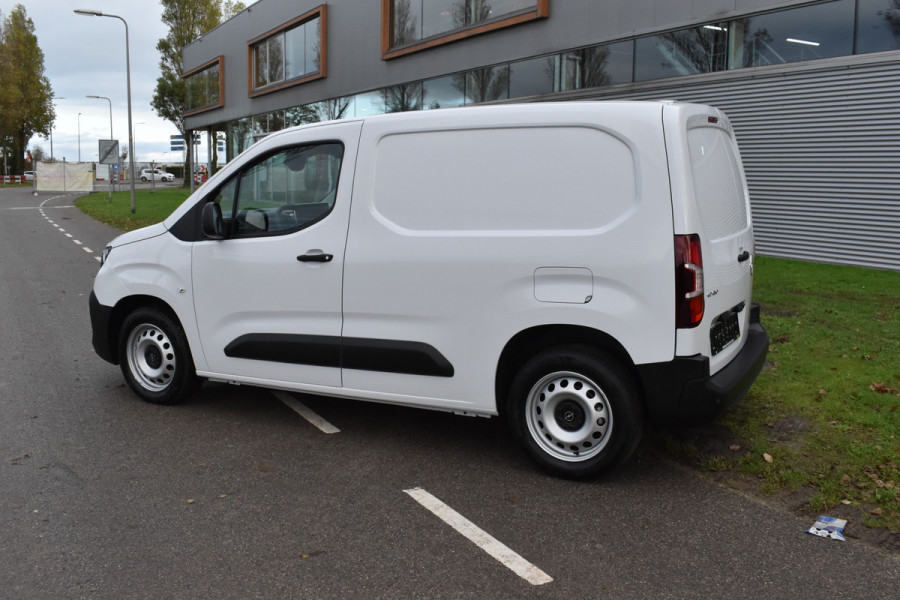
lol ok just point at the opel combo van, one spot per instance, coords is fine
(575, 267)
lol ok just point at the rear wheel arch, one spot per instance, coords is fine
(530, 342)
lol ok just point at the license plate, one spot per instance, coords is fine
(724, 331)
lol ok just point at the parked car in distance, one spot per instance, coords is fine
(156, 175)
(29, 175)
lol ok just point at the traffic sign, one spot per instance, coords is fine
(109, 152)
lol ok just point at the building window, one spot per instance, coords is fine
(204, 87)
(878, 26)
(289, 55)
(691, 51)
(800, 34)
(413, 25)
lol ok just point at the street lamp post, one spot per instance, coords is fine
(108, 168)
(79, 137)
(97, 13)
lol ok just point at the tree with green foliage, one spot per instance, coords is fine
(26, 98)
(187, 21)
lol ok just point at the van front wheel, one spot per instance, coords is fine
(577, 410)
(155, 358)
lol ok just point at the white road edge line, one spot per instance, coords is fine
(480, 538)
(302, 410)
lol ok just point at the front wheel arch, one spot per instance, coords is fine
(155, 356)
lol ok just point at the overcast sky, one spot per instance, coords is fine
(86, 55)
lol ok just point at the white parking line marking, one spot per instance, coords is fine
(86, 249)
(302, 410)
(77, 242)
(480, 538)
(98, 259)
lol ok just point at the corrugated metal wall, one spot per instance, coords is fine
(821, 148)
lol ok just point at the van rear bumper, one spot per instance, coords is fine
(683, 390)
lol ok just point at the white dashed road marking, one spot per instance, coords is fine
(480, 538)
(302, 410)
(60, 229)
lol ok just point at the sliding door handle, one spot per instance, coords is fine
(315, 258)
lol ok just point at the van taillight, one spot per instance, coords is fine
(688, 281)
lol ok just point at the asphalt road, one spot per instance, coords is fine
(236, 495)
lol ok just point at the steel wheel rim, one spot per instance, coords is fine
(151, 357)
(568, 416)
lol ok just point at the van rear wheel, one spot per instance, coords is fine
(155, 358)
(577, 410)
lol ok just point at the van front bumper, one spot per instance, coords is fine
(683, 390)
(101, 319)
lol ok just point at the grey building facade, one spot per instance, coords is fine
(812, 88)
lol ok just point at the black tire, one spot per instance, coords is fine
(144, 179)
(155, 357)
(577, 410)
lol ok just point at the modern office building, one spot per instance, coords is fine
(813, 88)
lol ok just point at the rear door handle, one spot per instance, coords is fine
(744, 256)
(315, 257)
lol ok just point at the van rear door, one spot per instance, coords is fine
(711, 206)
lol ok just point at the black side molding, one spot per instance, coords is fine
(389, 356)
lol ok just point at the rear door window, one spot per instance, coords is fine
(718, 186)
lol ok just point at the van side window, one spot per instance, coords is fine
(287, 190)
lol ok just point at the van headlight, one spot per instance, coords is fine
(105, 255)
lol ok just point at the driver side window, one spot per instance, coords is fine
(285, 191)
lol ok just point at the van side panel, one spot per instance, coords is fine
(471, 228)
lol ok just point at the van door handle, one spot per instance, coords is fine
(744, 256)
(315, 257)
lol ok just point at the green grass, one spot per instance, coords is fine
(150, 207)
(826, 409)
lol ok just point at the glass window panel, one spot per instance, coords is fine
(807, 33)
(260, 70)
(679, 53)
(212, 85)
(441, 16)
(239, 138)
(531, 77)
(295, 52)
(485, 85)
(483, 10)
(288, 190)
(313, 45)
(407, 25)
(370, 103)
(276, 121)
(275, 61)
(443, 92)
(401, 98)
(878, 26)
(225, 197)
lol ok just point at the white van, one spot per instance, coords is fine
(575, 267)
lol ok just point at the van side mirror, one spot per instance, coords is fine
(211, 222)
